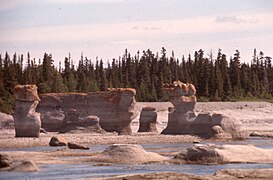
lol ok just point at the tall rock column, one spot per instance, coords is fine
(27, 121)
(183, 98)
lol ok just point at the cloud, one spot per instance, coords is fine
(86, 1)
(6, 5)
(234, 19)
(134, 30)
(128, 42)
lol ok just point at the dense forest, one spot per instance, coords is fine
(216, 77)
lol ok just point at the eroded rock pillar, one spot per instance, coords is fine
(27, 121)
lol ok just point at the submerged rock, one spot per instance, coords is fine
(26, 166)
(76, 146)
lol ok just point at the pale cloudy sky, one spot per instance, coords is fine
(104, 28)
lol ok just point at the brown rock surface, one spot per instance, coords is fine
(115, 108)
(127, 153)
(148, 120)
(58, 141)
(27, 121)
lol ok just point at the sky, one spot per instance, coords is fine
(105, 28)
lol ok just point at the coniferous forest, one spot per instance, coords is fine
(216, 77)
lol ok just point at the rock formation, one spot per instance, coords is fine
(127, 153)
(218, 154)
(5, 161)
(182, 118)
(115, 109)
(89, 124)
(57, 141)
(148, 120)
(27, 121)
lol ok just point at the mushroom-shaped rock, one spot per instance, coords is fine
(127, 153)
(148, 120)
(89, 124)
(27, 121)
(57, 141)
(26, 166)
(76, 146)
(182, 119)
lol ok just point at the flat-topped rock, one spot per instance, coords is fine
(26, 93)
(115, 108)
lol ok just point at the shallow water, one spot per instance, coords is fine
(76, 171)
(91, 170)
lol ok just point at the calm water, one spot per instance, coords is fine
(76, 171)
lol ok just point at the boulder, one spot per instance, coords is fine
(6, 121)
(76, 146)
(219, 154)
(57, 141)
(27, 121)
(115, 108)
(5, 161)
(127, 153)
(89, 124)
(148, 120)
(26, 166)
(182, 118)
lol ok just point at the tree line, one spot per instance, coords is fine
(218, 78)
